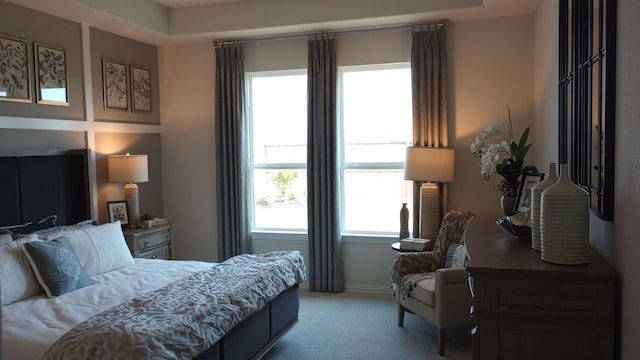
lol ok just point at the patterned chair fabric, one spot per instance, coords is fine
(431, 290)
(409, 268)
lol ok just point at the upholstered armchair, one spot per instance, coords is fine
(433, 284)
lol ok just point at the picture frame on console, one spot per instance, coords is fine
(117, 210)
(15, 77)
(523, 199)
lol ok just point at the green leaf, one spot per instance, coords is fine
(523, 138)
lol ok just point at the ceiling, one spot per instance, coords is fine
(160, 22)
(186, 3)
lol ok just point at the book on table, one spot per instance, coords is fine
(415, 244)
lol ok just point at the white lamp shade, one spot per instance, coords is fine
(128, 168)
(429, 164)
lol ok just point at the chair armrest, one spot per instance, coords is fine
(451, 276)
(414, 263)
(453, 297)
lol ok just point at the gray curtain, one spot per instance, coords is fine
(233, 232)
(325, 258)
(429, 89)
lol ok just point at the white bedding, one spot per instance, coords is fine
(31, 326)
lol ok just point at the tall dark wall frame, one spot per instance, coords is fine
(587, 98)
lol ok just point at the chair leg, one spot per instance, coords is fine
(442, 339)
(400, 315)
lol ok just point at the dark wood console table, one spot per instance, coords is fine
(525, 308)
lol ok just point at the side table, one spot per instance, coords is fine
(152, 243)
(396, 246)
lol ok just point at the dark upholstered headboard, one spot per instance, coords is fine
(37, 184)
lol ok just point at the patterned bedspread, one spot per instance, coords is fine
(185, 318)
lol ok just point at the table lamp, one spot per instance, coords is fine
(430, 166)
(130, 169)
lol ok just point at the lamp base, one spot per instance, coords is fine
(133, 204)
(429, 210)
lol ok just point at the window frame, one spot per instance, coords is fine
(348, 236)
(343, 166)
(250, 165)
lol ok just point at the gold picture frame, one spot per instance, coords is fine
(114, 82)
(15, 74)
(140, 88)
(51, 75)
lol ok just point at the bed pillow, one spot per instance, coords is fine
(57, 231)
(6, 237)
(56, 266)
(100, 248)
(17, 280)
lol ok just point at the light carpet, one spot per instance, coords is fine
(354, 326)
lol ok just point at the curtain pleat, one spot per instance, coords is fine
(429, 86)
(429, 90)
(233, 232)
(325, 257)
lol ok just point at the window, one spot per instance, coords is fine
(375, 114)
(277, 113)
(376, 127)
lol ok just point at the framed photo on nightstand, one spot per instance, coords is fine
(117, 210)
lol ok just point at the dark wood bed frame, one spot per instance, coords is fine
(34, 185)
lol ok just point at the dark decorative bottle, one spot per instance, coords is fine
(404, 221)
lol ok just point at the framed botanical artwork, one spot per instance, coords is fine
(15, 77)
(117, 210)
(51, 75)
(114, 81)
(140, 89)
(528, 181)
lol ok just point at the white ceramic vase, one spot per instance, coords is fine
(536, 199)
(564, 222)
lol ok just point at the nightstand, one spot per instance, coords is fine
(152, 243)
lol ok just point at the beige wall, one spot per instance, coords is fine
(187, 114)
(491, 64)
(129, 52)
(108, 143)
(622, 239)
(546, 85)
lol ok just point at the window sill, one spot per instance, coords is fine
(302, 236)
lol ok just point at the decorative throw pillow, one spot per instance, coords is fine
(27, 228)
(17, 280)
(456, 256)
(56, 266)
(100, 248)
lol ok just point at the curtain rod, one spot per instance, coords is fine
(438, 23)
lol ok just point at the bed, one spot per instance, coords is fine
(116, 306)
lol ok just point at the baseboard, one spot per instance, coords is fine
(355, 288)
(368, 289)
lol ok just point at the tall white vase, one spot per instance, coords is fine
(536, 200)
(564, 222)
